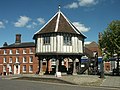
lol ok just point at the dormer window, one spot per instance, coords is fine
(46, 40)
(67, 40)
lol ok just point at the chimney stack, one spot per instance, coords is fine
(18, 38)
(5, 44)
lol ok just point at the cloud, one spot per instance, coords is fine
(87, 42)
(22, 21)
(32, 25)
(2, 24)
(72, 5)
(87, 2)
(82, 3)
(81, 27)
(41, 20)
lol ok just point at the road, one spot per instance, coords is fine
(6, 84)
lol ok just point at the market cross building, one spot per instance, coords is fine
(59, 46)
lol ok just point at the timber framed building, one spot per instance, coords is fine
(59, 45)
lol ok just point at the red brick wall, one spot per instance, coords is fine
(20, 55)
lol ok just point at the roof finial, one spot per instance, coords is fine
(59, 7)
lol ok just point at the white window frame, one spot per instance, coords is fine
(24, 68)
(5, 52)
(46, 40)
(10, 60)
(10, 52)
(17, 60)
(31, 50)
(31, 59)
(24, 58)
(31, 68)
(10, 68)
(67, 40)
(4, 60)
(17, 51)
(24, 51)
(4, 68)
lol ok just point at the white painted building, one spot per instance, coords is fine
(59, 39)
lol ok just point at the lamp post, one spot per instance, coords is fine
(102, 65)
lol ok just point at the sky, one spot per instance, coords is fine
(26, 17)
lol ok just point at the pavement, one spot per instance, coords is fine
(82, 80)
(111, 81)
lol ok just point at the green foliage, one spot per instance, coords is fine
(110, 39)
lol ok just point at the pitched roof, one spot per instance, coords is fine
(20, 45)
(92, 44)
(59, 23)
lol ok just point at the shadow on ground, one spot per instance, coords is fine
(51, 80)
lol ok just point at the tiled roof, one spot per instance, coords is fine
(20, 45)
(92, 44)
(59, 23)
(88, 52)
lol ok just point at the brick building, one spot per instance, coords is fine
(18, 58)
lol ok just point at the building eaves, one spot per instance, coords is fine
(59, 24)
(20, 45)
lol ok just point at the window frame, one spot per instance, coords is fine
(24, 68)
(17, 51)
(10, 60)
(10, 68)
(24, 51)
(31, 68)
(31, 50)
(31, 60)
(46, 40)
(10, 51)
(24, 60)
(5, 52)
(17, 60)
(4, 60)
(67, 40)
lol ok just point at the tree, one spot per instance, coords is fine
(110, 41)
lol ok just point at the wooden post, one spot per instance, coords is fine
(40, 67)
(74, 67)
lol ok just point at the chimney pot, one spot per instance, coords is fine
(18, 38)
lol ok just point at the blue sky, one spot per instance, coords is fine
(28, 16)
